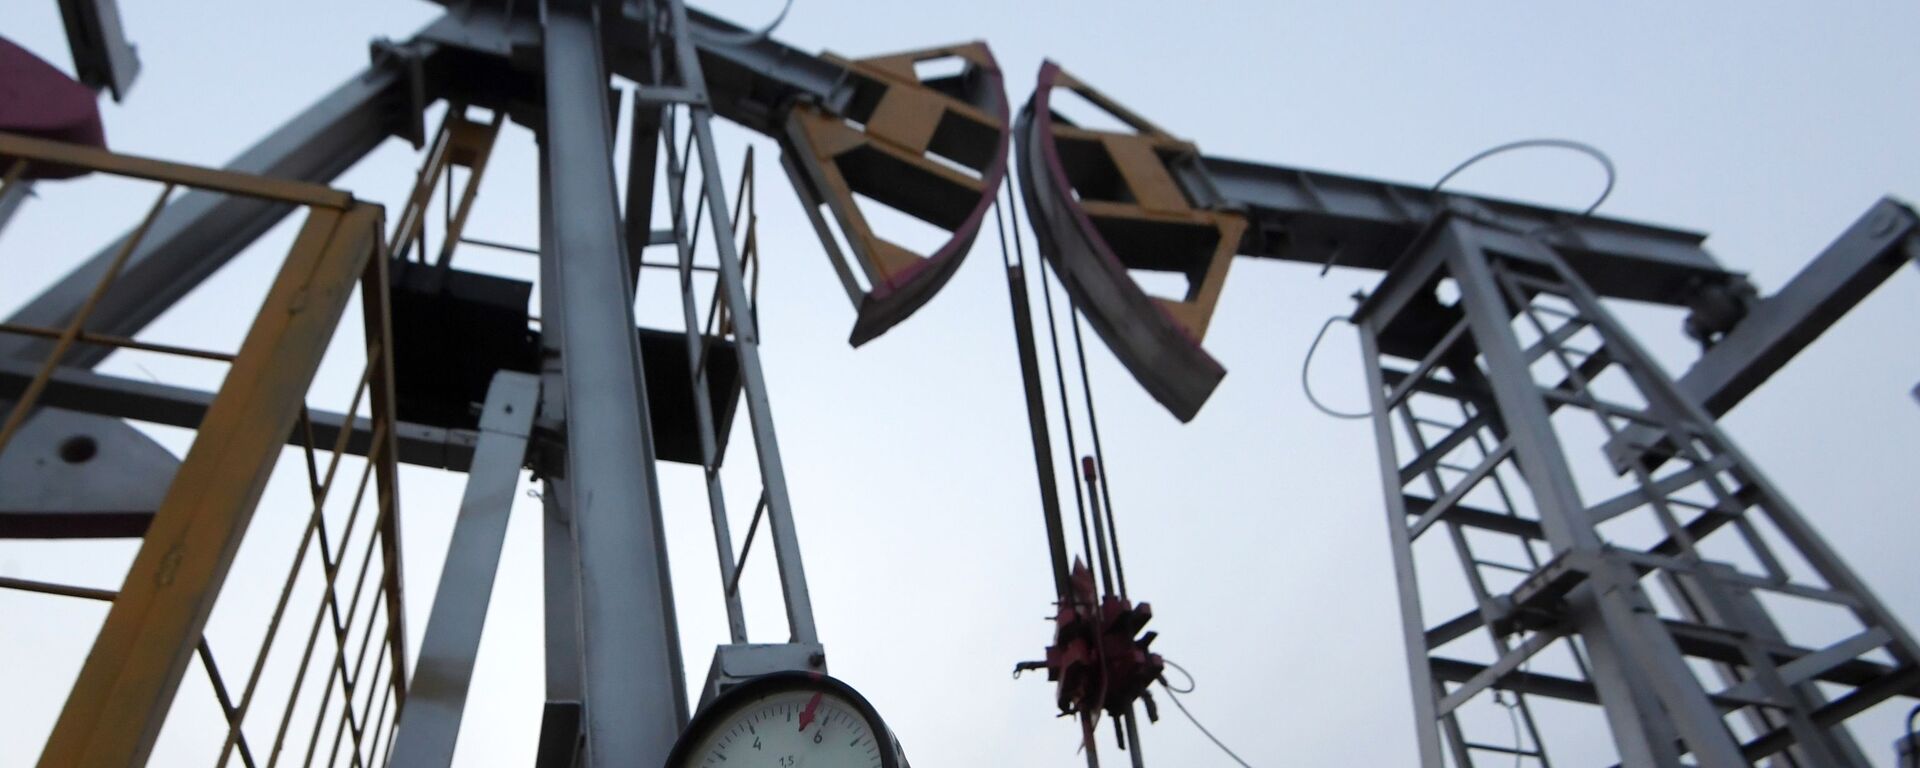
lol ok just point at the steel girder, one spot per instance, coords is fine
(426, 734)
(634, 696)
(1560, 577)
(1105, 203)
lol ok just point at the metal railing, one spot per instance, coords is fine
(157, 623)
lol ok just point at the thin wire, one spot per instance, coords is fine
(1306, 365)
(1196, 723)
(743, 37)
(1183, 671)
(1606, 163)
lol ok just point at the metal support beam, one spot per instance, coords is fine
(635, 694)
(102, 57)
(1487, 417)
(643, 158)
(750, 81)
(1323, 218)
(753, 380)
(200, 231)
(431, 724)
(124, 398)
(560, 720)
(116, 707)
(1783, 324)
(12, 195)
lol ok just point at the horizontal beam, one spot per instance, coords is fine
(752, 81)
(82, 390)
(1322, 218)
(15, 146)
(200, 231)
(749, 80)
(1457, 671)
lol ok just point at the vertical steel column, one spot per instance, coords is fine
(786, 543)
(1621, 613)
(1406, 582)
(634, 691)
(431, 723)
(560, 553)
(1493, 468)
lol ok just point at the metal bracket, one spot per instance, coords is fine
(740, 662)
(68, 474)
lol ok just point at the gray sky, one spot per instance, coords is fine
(1256, 531)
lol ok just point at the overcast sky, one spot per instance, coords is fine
(1256, 531)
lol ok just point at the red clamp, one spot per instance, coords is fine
(1096, 658)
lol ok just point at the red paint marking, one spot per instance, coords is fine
(806, 715)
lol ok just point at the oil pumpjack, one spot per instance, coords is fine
(1487, 323)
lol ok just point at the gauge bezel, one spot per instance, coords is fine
(731, 701)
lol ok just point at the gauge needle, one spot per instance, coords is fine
(806, 715)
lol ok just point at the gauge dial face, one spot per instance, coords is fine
(792, 729)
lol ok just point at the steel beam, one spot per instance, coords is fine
(773, 476)
(560, 719)
(753, 81)
(11, 197)
(200, 231)
(1323, 218)
(430, 725)
(102, 57)
(1783, 324)
(1862, 258)
(1612, 614)
(124, 398)
(643, 159)
(1406, 581)
(635, 694)
(748, 81)
(116, 708)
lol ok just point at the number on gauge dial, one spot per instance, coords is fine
(794, 729)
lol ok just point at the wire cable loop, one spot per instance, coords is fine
(1306, 365)
(1606, 163)
(744, 37)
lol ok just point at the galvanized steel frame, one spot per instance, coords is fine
(426, 736)
(1480, 436)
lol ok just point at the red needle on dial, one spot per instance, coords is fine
(806, 715)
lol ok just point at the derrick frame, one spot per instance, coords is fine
(1615, 582)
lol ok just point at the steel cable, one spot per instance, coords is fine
(743, 37)
(1174, 695)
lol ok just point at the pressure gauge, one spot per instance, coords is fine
(788, 720)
